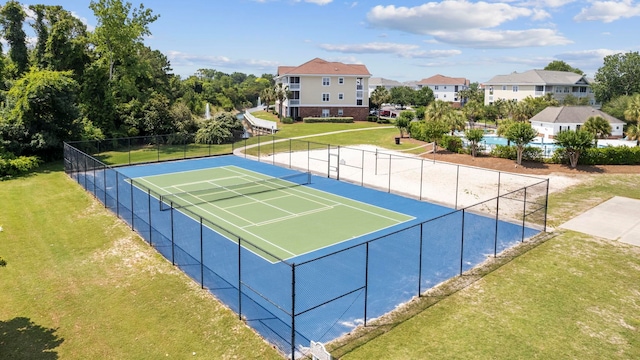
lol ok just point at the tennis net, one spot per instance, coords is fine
(196, 197)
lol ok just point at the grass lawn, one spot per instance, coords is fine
(79, 284)
(571, 297)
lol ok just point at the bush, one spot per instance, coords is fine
(10, 165)
(372, 118)
(287, 120)
(310, 120)
(384, 121)
(612, 155)
(530, 153)
(451, 143)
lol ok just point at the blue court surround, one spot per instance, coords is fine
(321, 294)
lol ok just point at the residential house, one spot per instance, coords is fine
(445, 88)
(538, 83)
(554, 119)
(320, 88)
(374, 82)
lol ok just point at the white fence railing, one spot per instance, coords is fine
(260, 125)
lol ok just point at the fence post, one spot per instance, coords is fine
(173, 262)
(366, 281)
(495, 240)
(389, 189)
(420, 264)
(457, 183)
(201, 257)
(362, 169)
(421, 175)
(290, 152)
(104, 181)
(524, 212)
(240, 278)
(546, 206)
(117, 194)
(273, 150)
(149, 209)
(158, 146)
(462, 244)
(328, 160)
(293, 311)
(129, 149)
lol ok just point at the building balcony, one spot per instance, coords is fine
(294, 86)
(293, 102)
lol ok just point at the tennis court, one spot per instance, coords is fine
(270, 212)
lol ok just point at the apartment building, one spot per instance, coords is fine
(538, 83)
(320, 88)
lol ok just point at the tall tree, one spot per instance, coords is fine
(559, 65)
(42, 33)
(423, 97)
(119, 30)
(402, 95)
(520, 133)
(280, 93)
(475, 137)
(633, 133)
(403, 121)
(437, 110)
(598, 127)
(66, 46)
(574, 143)
(43, 113)
(11, 18)
(632, 112)
(619, 75)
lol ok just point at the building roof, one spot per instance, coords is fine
(443, 80)
(539, 77)
(318, 66)
(571, 115)
(378, 81)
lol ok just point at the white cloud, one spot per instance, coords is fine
(83, 20)
(178, 58)
(501, 39)
(592, 54)
(608, 11)
(319, 2)
(451, 15)
(546, 3)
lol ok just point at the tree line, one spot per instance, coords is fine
(76, 84)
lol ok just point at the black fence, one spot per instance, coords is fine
(291, 304)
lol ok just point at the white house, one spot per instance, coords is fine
(374, 82)
(538, 83)
(555, 119)
(320, 88)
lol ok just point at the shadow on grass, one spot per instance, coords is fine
(21, 338)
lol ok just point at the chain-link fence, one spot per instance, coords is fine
(321, 298)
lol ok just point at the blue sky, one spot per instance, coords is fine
(402, 40)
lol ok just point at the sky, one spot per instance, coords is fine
(400, 40)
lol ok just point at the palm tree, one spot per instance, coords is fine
(633, 133)
(437, 110)
(598, 126)
(378, 97)
(280, 92)
(455, 121)
(632, 113)
(267, 95)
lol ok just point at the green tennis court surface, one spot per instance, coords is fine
(279, 215)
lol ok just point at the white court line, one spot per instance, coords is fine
(273, 221)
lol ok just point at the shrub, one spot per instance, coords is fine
(451, 143)
(384, 121)
(309, 120)
(10, 165)
(287, 120)
(613, 155)
(530, 153)
(372, 118)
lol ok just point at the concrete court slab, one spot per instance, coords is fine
(616, 219)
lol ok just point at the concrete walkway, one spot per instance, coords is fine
(615, 219)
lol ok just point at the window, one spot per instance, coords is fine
(340, 96)
(567, 89)
(325, 113)
(445, 88)
(326, 81)
(577, 127)
(340, 112)
(435, 87)
(435, 96)
(514, 88)
(325, 97)
(340, 80)
(359, 94)
(504, 87)
(359, 102)
(583, 90)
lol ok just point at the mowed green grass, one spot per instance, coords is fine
(571, 297)
(79, 284)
